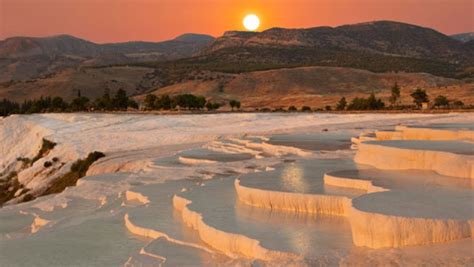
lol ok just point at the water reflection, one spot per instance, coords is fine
(292, 178)
(312, 235)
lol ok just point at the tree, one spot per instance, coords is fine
(190, 101)
(374, 103)
(419, 97)
(370, 103)
(342, 104)
(212, 106)
(79, 103)
(306, 109)
(234, 104)
(292, 109)
(105, 102)
(120, 100)
(8, 107)
(458, 104)
(58, 104)
(132, 103)
(164, 102)
(201, 102)
(441, 101)
(150, 101)
(394, 98)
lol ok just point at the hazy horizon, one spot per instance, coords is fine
(106, 21)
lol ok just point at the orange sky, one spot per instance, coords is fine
(154, 20)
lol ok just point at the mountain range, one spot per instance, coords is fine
(381, 37)
(62, 65)
(24, 58)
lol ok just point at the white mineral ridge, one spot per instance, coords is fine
(78, 134)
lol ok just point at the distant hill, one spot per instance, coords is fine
(91, 82)
(313, 86)
(24, 58)
(383, 37)
(18, 47)
(464, 37)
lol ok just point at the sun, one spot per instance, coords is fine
(251, 22)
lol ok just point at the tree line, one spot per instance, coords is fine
(184, 101)
(117, 102)
(419, 97)
(120, 101)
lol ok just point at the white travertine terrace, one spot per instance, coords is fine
(369, 229)
(273, 149)
(368, 186)
(376, 230)
(38, 223)
(297, 202)
(418, 133)
(153, 234)
(193, 161)
(387, 135)
(382, 212)
(396, 158)
(141, 231)
(232, 245)
(135, 196)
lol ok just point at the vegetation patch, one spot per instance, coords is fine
(249, 59)
(78, 170)
(8, 187)
(56, 104)
(44, 150)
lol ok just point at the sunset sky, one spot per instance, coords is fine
(154, 20)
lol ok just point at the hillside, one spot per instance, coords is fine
(91, 82)
(378, 47)
(381, 37)
(26, 58)
(313, 86)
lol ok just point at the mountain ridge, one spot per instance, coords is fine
(382, 37)
(25, 58)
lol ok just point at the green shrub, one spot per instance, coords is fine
(419, 97)
(306, 109)
(342, 104)
(45, 148)
(441, 101)
(78, 170)
(212, 106)
(370, 103)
